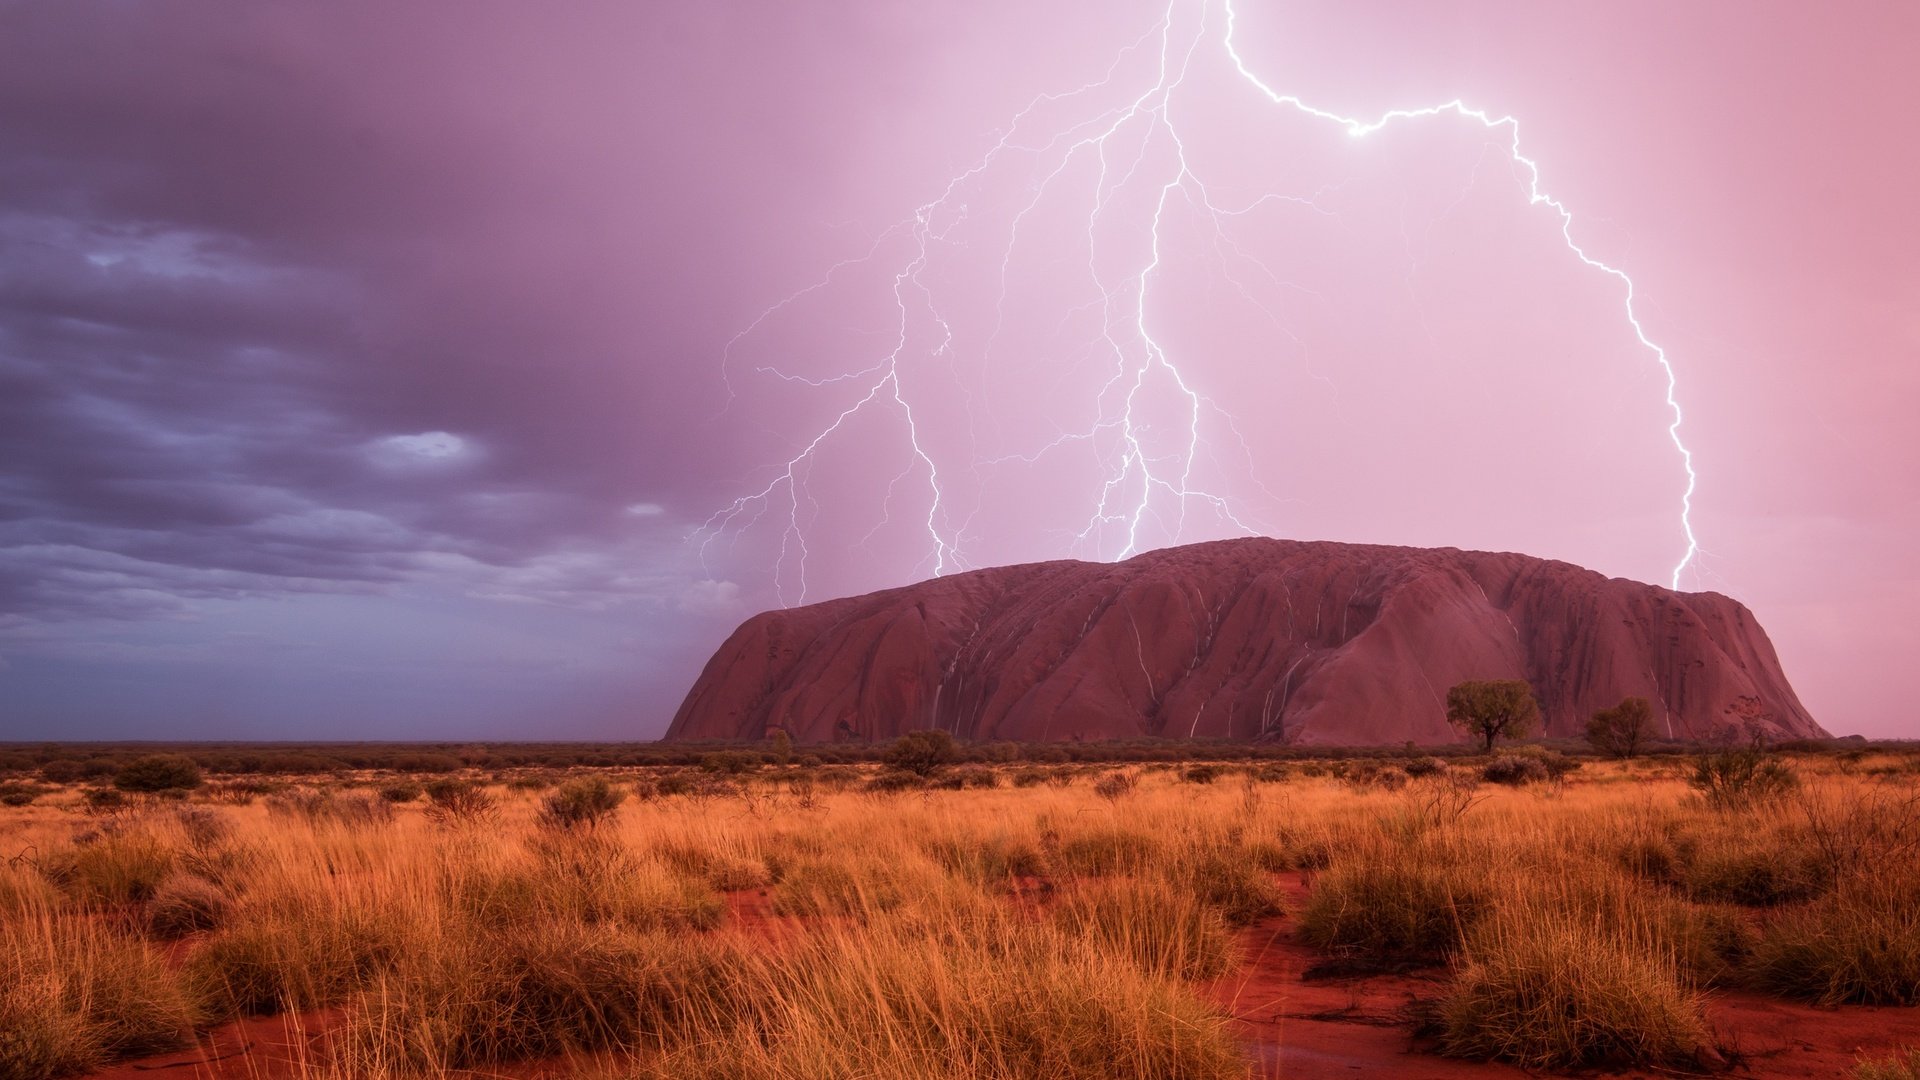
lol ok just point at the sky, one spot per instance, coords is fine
(470, 370)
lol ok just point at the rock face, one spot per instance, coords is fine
(1313, 643)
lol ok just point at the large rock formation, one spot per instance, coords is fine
(1332, 644)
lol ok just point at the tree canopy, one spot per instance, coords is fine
(1622, 730)
(1492, 709)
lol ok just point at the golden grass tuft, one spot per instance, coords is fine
(1546, 989)
(1164, 930)
(74, 995)
(1899, 1065)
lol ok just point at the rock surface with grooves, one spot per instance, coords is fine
(1305, 642)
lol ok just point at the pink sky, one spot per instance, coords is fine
(370, 365)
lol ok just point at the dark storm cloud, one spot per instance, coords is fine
(293, 304)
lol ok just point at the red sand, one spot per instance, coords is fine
(1312, 1030)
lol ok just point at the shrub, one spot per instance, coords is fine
(12, 794)
(460, 802)
(1622, 730)
(62, 771)
(729, 762)
(1735, 777)
(1424, 766)
(921, 752)
(969, 776)
(158, 772)
(1200, 774)
(105, 800)
(896, 781)
(405, 791)
(1514, 770)
(581, 804)
(1115, 786)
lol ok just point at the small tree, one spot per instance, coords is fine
(1622, 730)
(782, 751)
(1492, 709)
(921, 752)
(158, 772)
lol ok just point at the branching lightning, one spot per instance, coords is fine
(1137, 485)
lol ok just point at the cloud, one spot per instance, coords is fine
(429, 449)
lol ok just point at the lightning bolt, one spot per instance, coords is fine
(1137, 139)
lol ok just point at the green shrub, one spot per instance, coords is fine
(1514, 770)
(921, 752)
(581, 804)
(1735, 777)
(461, 802)
(158, 772)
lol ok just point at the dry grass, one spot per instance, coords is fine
(1003, 930)
(1900, 1065)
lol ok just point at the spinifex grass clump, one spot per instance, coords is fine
(1548, 988)
(488, 995)
(1899, 1065)
(74, 995)
(1164, 930)
(1393, 902)
(1858, 945)
(1023, 1001)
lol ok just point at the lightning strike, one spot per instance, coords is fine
(1136, 485)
